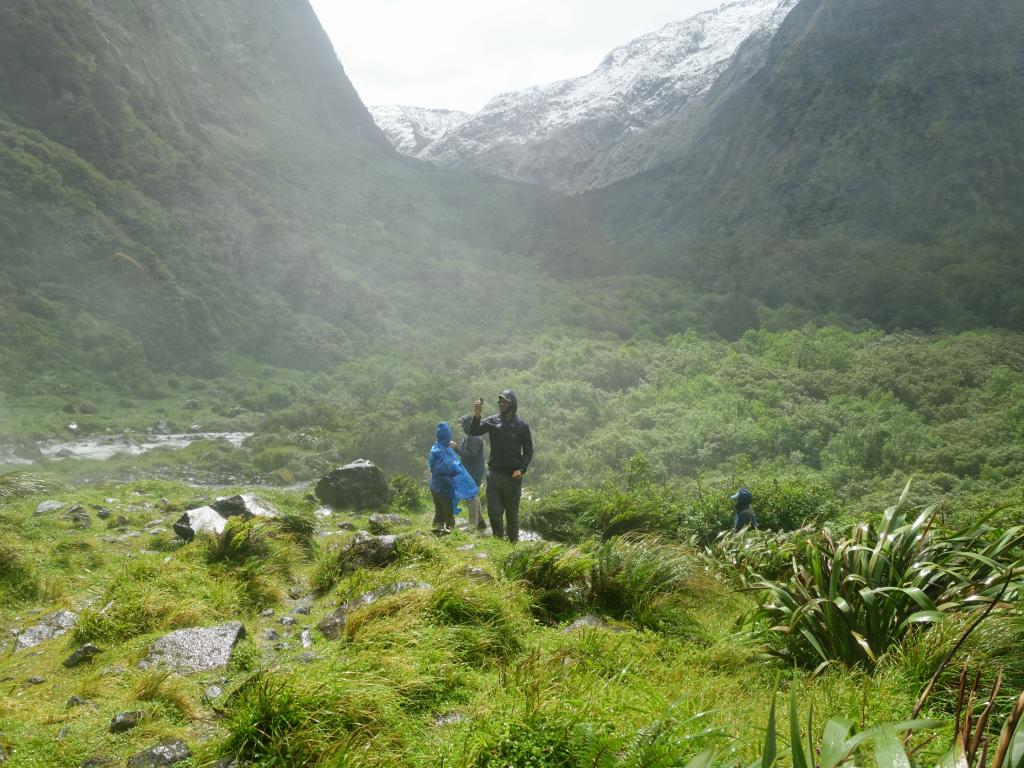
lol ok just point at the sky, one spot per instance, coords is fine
(457, 54)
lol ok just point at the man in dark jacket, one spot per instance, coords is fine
(511, 453)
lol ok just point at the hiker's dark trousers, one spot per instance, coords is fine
(503, 494)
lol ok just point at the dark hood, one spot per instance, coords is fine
(509, 395)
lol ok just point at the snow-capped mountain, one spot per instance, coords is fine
(588, 131)
(411, 129)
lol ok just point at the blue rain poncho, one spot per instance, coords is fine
(447, 475)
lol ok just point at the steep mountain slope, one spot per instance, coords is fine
(182, 181)
(581, 133)
(874, 165)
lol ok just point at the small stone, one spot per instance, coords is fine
(102, 512)
(481, 556)
(47, 507)
(77, 701)
(97, 762)
(63, 733)
(282, 646)
(35, 680)
(125, 721)
(267, 613)
(287, 620)
(271, 634)
(294, 593)
(345, 525)
(302, 610)
(479, 574)
(449, 718)
(212, 693)
(306, 637)
(308, 658)
(83, 654)
(165, 753)
(466, 548)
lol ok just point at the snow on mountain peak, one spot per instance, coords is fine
(555, 134)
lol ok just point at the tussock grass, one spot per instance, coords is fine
(151, 593)
(160, 686)
(14, 485)
(647, 582)
(556, 576)
(280, 719)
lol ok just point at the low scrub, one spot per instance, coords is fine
(850, 598)
(557, 578)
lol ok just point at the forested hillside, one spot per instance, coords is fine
(874, 166)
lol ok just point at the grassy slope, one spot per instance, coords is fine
(460, 647)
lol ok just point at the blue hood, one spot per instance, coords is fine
(443, 434)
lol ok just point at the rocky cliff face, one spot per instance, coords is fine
(589, 131)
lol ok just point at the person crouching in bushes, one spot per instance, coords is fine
(743, 514)
(449, 480)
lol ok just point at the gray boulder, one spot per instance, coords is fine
(50, 626)
(46, 507)
(77, 516)
(214, 518)
(359, 485)
(195, 650)
(367, 551)
(164, 753)
(333, 625)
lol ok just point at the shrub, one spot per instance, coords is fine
(850, 599)
(556, 577)
(643, 580)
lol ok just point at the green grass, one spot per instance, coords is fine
(469, 672)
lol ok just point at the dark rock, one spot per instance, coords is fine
(50, 626)
(36, 680)
(271, 635)
(287, 620)
(82, 655)
(195, 650)
(120, 522)
(367, 551)
(386, 522)
(345, 525)
(102, 512)
(77, 515)
(46, 507)
(165, 753)
(125, 721)
(97, 762)
(359, 485)
(77, 701)
(246, 505)
(294, 593)
(303, 610)
(333, 624)
(162, 428)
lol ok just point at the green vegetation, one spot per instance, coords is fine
(680, 669)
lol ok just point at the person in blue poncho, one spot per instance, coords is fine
(450, 483)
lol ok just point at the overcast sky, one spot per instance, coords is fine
(456, 54)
